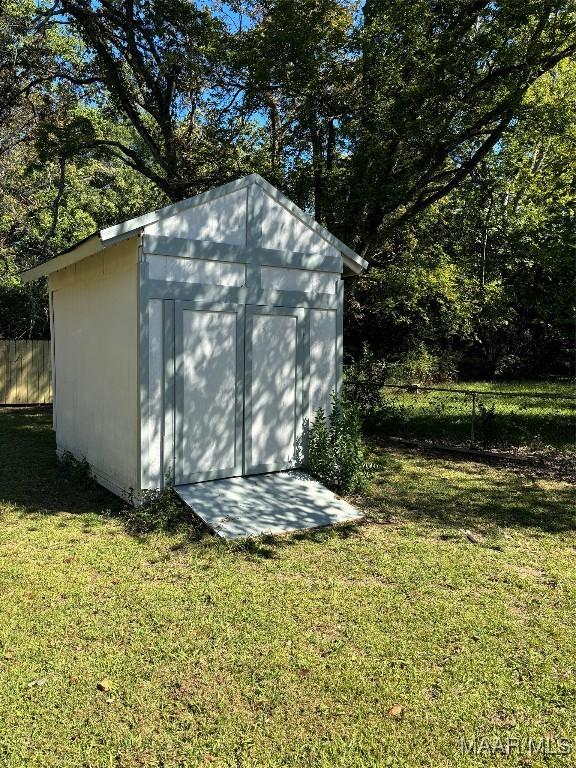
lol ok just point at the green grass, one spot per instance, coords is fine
(529, 421)
(287, 651)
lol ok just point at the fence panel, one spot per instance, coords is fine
(25, 372)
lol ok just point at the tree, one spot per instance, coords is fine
(387, 111)
(440, 85)
(487, 272)
(25, 72)
(161, 66)
(372, 118)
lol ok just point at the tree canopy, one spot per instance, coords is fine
(435, 137)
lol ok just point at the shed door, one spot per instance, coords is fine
(209, 381)
(273, 395)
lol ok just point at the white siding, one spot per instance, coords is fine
(323, 332)
(95, 353)
(221, 221)
(282, 230)
(283, 279)
(175, 269)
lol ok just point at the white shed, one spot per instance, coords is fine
(193, 342)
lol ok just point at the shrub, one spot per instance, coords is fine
(77, 471)
(363, 380)
(156, 509)
(489, 429)
(336, 452)
(422, 366)
(509, 367)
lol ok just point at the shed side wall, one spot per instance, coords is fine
(95, 338)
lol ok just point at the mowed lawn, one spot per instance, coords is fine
(290, 651)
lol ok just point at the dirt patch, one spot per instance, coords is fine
(534, 573)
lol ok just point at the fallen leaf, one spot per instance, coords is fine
(303, 672)
(8, 655)
(104, 685)
(396, 711)
(40, 681)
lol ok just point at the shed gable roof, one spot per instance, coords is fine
(110, 235)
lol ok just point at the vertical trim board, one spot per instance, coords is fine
(340, 336)
(142, 440)
(169, 359)
(254, 216)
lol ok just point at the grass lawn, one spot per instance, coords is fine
(290, 651)
(526, 420)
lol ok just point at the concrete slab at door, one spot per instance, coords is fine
(209, 380)
(280, 502)
(273, 395)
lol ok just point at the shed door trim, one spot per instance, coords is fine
(182, 473)
(251, 466)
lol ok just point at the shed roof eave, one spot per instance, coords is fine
(354, 266)
(90, 246)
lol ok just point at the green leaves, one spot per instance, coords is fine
(336, 452)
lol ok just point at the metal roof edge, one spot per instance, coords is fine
(225, 189)
(81, 250)
(173, 209)
(306, 219)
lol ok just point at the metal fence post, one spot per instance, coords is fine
(472, 438)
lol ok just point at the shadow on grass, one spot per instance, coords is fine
(269, 546)
(462, 493)
(410, 485)
(30, 475)
(534, 421)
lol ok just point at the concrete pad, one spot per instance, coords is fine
(278, 502)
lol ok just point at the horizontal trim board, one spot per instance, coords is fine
(207, 475)
(262, 469)
(157, 245)
(159, 289)
(307, 280)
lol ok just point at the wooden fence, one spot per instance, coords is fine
(25, 372)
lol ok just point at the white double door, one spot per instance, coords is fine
(239, 394)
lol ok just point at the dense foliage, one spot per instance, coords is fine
(436, 138)
(336, 452)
